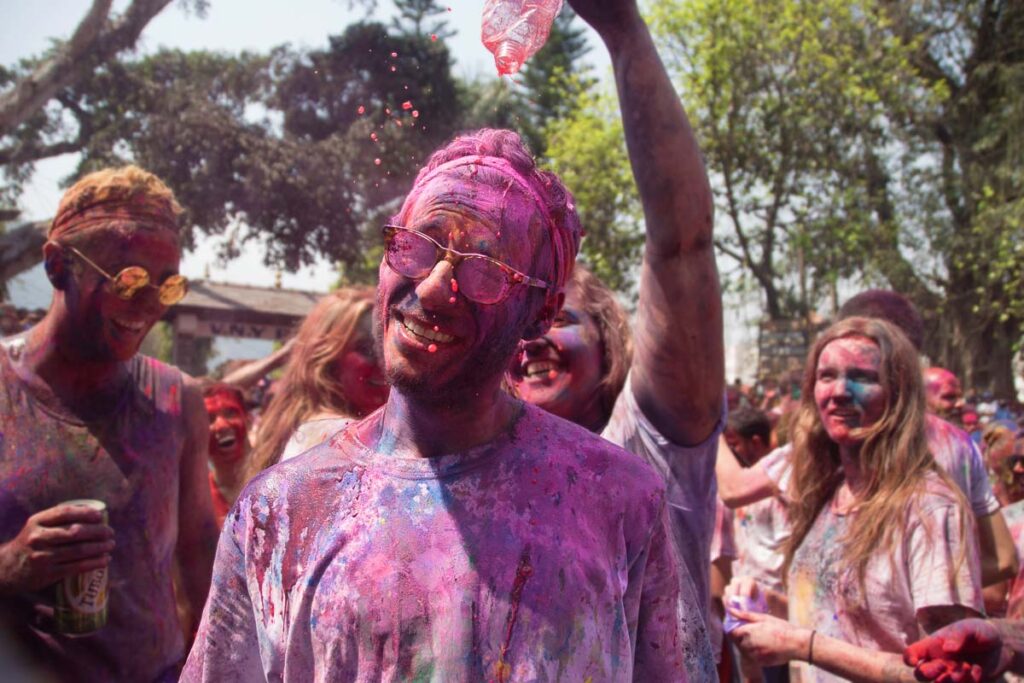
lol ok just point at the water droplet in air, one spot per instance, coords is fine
(377, 161)
(436, 328)
(394, 68)
(451, 300)
(432, 348)
(373, 136)
(407, 105)
(361, 110)
(394, 54)
(415, 114)
(387, 110)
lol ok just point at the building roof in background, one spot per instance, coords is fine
(224, 296)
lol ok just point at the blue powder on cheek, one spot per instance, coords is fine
(858, 390)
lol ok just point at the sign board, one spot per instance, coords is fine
(207, 328)
(783, 345)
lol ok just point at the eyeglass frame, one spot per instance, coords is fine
(113, 278)
(455, 257)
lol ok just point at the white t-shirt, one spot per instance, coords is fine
(761, 529)
(692, 490)
(723, 547)
(689, 475)
(313, 433)
(884, 617)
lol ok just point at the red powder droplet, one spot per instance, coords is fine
(455, 285)
(436, 328)
(361, 110)
(394, 54)
(432, 348)
(377, 161)
(407, 105)
(394, 69)
(373, 136)
(387, 111)
(433, 37)
(451, 300)
(415, 114)
(552, 374)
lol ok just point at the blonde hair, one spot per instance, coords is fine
(893, 455)
(148, 196)
(310, 384)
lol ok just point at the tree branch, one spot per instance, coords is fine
(20, 154)
(95, 41)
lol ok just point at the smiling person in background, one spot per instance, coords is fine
(83, 415)
(229, 444)
(331, 378)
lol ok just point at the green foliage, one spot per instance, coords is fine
(867, 142)
(270, 147)
(588, 150)
(421, 18)
(555, 78)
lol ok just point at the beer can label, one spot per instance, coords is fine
(86, 593)
(81, 600)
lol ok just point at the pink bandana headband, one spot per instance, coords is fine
(564, 241)
(89, 213)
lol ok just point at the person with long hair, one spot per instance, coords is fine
(331, 378)
(880, 552)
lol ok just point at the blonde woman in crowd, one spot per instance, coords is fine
(880, 552)
(331, 378)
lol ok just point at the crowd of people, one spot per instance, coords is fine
(483, 470)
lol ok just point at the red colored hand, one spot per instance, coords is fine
(967, 650)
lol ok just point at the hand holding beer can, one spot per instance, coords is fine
(81, 600)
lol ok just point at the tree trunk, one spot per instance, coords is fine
(21, 248)
(95, 41)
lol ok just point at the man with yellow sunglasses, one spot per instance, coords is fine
(84, 416)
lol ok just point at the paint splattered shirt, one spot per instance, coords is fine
(692, 490)
(541, 556)
(689, 475)
(313, 433)
(723, 547)
(131, 461)
(761, 529)
(952, 449)
(924, 573)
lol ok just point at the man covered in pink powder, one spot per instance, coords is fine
(457, 533)
(84, 416)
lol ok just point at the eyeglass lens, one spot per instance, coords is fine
(413, 255)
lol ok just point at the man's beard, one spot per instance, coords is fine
(490, 360)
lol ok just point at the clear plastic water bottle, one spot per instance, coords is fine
(513, 30)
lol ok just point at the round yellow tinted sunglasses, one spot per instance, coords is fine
(127, 283)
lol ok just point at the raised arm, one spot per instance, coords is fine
(197, 527)
(678, 366)
(248, 375)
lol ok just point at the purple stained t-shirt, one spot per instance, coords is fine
(131, 461)
(543, 555)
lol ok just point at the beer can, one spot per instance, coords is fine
(81, 600)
